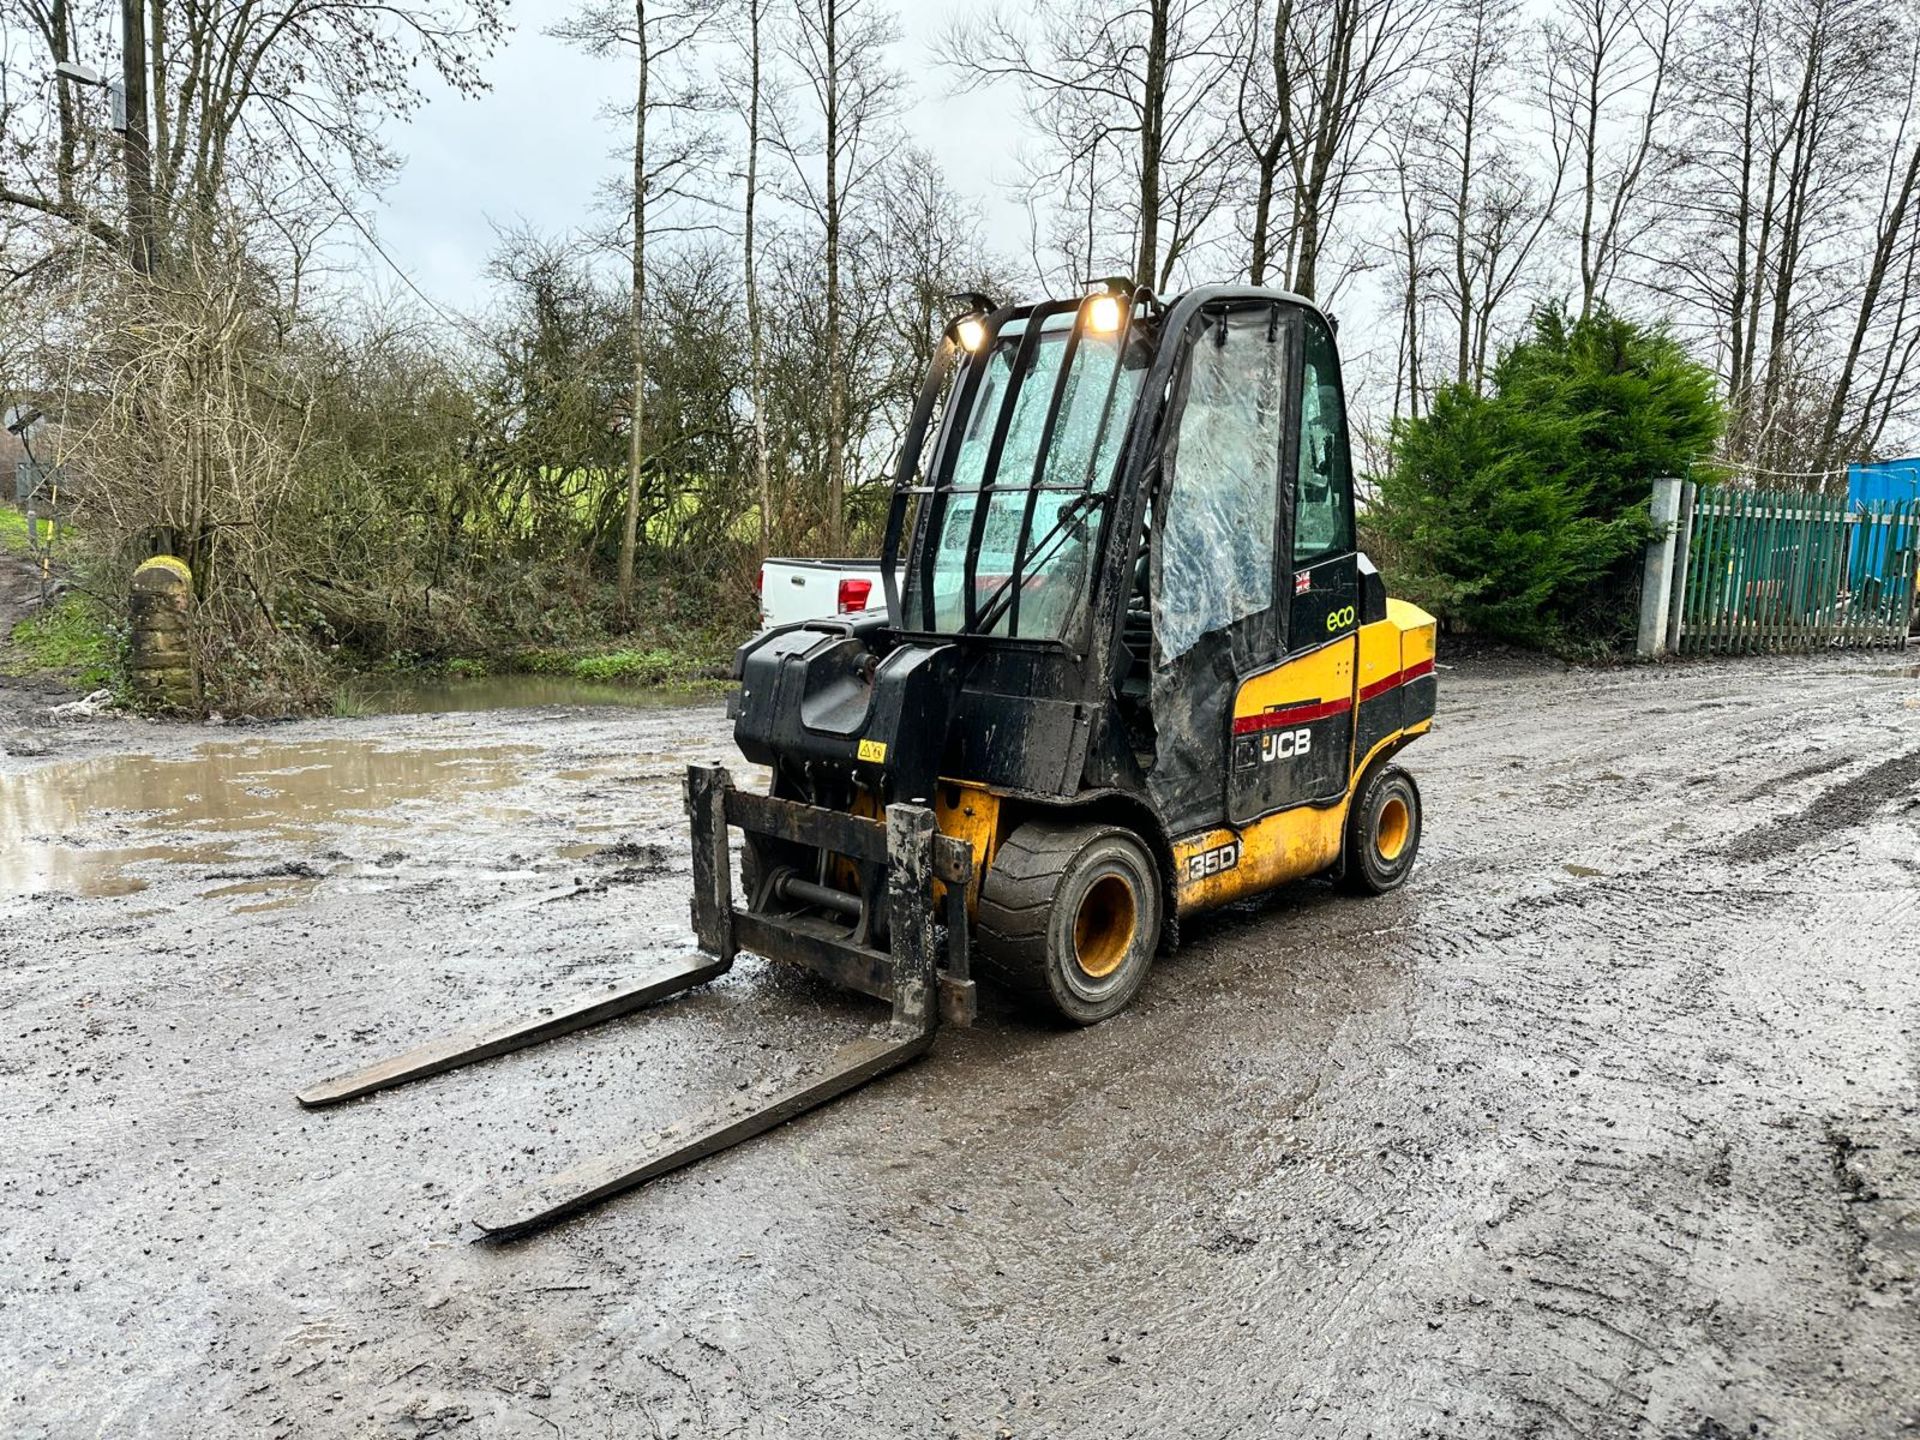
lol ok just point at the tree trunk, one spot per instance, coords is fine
(1268, 155)
(636, 316)
(756, 354)
(1805, 140)
(1152, 124)
(1742, 229)
(1410, 238)
(139, 157)
(1589, 159)
(836, 357)
(1262, 216)
(1463, 199)
(1893, 223)
(157, 103)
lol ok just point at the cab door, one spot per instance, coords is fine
(1219, 608)
(1293, 720)
(1325, 578)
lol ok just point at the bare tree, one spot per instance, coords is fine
(1849, 429)
(1610, 65)
(1413, 237)
(1491, 196)
(280, 86)
(754, 19)
(931, 244)
(838, 49)
(661, 36)
(1314, 76)
(1129, 94)
(1787, 106)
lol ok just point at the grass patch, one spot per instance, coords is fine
(70, 637)
(638, 667)
(533, 660)
(13, 530)
(350, 704)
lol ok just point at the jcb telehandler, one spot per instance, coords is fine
(1131, 666)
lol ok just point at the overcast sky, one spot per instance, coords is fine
(537, 147)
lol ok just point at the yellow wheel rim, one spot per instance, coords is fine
(1395, 825)
(1103, 930)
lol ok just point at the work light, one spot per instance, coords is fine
(1103, 314)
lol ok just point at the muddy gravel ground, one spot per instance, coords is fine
(1604, 1126)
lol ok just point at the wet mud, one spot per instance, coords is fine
(1606, 1125)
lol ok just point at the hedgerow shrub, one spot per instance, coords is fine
(1521, 513)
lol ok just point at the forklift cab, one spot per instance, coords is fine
(1152, 507)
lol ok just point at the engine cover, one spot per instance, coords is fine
(824, 692)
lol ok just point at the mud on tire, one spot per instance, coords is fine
(1070, 918)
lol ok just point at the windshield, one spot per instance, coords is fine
(1060, 517)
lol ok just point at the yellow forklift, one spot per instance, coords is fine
(1131, 666)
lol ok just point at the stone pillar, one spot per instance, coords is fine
(1656, 585)
(161, 645)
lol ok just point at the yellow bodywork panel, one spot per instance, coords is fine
(1322, 675)
(1417, 630)
(1263, 854)
(1381, 646)
(971, 813)
(1313, 707)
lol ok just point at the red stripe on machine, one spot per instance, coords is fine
(1291, 715)
(1412, 672)
(1321, 709)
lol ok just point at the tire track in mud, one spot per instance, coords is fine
(1845, 806)
(1668, 923)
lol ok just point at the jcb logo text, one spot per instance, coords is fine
(1284, 744)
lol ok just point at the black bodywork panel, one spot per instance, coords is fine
(822, 694)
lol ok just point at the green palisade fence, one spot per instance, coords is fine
(1770, 570)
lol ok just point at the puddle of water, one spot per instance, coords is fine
(412, 695)
(277, 884)
(281, 795)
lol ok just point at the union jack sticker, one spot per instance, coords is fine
(1303, 582)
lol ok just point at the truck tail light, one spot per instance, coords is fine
(853, 595)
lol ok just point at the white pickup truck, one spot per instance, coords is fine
(806, 589)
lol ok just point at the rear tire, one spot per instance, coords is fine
(1383, 831)
(1070, 918)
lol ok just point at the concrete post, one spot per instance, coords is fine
(1656, 585)
(162, 615)
(1682, 554)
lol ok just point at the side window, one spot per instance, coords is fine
(1215, 562)
(1323, 490)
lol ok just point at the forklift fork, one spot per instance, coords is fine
(909, 975)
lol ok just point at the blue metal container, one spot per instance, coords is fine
(1883, 480)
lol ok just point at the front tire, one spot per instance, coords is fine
(1070, 918)
(1383, 831)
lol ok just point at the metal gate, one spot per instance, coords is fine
(1768, 570)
